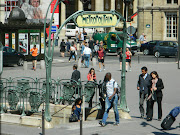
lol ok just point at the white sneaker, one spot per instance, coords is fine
(100, 70)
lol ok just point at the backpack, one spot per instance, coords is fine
(103, 93)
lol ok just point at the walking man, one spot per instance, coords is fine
(76, 75)
(143, 85)
(87, 54)
(111, 99)
(34, 52)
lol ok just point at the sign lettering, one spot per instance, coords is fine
(95, 20)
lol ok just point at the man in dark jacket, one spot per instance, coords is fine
(144, 84)
(76, 75)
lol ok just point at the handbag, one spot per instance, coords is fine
(73, 118)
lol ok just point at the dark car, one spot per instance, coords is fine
(10, 56)
(165, 48)
(147, 48)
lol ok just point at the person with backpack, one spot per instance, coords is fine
(156, 90)
(62, 48)
(111, 99)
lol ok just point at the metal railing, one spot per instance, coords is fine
(25, 95)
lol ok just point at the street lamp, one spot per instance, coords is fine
(127, 2)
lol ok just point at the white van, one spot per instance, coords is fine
(71, 29)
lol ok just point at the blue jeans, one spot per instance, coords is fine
(108, 103)
(86, 58)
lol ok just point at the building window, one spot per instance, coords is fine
(172, 1)
(171, 25)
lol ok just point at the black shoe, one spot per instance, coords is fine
(149, 119)
(142, 117)
(102, 124)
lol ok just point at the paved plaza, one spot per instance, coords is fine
(166, 68)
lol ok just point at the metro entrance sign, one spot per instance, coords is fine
(94, 19)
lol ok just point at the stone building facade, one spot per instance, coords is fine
(158, 19)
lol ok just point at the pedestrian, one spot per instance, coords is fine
(144, 41)
(91, 44)
(73, 117)
(84, 34)
(96, 48)
(91, 75)
(128, 59)
(82, 50)
(35, 53)
(77, 110)
(155, 95)
(143, 85)
(87, 54)
(77, 36)
(81, 38)
(111, 99)
(101, 55)
(72, 51)
(76, 75)
(62, 48)
(141, 38)
(56, 41)
(68, 44)
(120, 57)
(101, 44)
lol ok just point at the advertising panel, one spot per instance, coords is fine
(34, 40)
(36, 9)
(13, 41)
(23, 43)
(6, 39)
(42, 43)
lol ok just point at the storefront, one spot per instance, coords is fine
(21, 35)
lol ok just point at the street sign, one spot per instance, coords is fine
(131, 30)
(53, 29)
(96, 19)
(148, 25)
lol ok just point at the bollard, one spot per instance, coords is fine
(43, 124)
(94, 61)
(81, 123)
(25, 65)
(42, 64)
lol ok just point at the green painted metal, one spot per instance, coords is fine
(13, 98)
(123, 103)
(49, 53)
(89, 90)
(35, 101)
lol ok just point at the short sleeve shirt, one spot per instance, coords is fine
(110, 85)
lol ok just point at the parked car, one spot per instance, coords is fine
(147, 48)
(165, 48)
(10, 56)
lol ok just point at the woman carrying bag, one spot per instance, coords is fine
(156, 95)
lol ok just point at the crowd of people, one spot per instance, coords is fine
(150, 91)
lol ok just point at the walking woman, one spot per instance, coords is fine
(101, 55)
(120, 57)
(73, 51)
(157, 86)
(62, 48)
(128, 59)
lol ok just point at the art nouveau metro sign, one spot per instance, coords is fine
(93, 19)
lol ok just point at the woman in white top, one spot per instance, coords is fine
(73, 51)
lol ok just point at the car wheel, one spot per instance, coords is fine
(69, 37)
(146, 52)
(157, 54)
(20, 62)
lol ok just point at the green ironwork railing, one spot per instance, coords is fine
(25, 95)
